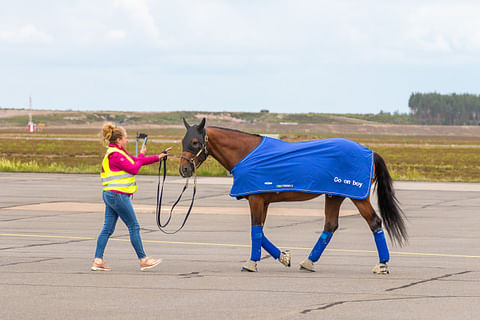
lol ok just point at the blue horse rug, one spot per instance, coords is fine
(331, 166)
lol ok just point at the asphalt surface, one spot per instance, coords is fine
(49, 223)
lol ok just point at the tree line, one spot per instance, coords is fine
(452, 109)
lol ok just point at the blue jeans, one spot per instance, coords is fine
(119, 205)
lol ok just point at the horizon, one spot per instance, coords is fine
(171, 111)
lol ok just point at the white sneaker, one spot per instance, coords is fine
(100, 265)
(149, 263)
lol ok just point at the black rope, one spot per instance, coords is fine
(160, 196)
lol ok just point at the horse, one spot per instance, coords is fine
(230, 147)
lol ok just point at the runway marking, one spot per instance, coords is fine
(142, 208)
(241, 245)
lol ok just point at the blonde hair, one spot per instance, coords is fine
(111, 133)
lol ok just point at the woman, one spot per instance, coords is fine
(118, 178)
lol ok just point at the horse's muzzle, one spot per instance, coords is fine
(186, 168)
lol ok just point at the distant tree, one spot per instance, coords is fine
(453, 109)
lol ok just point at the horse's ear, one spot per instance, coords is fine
(186, 124)
(201, 125)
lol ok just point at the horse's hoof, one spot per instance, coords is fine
(250, 266)
(381, 268)
(307, 264)
(285, 258)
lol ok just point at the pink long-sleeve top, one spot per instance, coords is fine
(118, 162)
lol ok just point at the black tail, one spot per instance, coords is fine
(388, 204)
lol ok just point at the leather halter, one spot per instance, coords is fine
(203, 149)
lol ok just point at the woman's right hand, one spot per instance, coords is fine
(165, 153)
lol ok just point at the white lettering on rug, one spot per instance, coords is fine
(348, 181)
(358, 184)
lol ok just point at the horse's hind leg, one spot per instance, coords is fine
(332, 209)
(375, 224)
(258, 211)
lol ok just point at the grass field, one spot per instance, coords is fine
(409, 157)
(21, 152)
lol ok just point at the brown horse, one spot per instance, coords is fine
(229, 147)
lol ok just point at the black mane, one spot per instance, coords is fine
(235, 130)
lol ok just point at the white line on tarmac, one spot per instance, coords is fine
(100, 207)
(242, 245)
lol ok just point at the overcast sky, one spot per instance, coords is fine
(244, 55)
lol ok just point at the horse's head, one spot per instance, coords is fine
(194, 148)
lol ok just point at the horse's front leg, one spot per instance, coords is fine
(332, 209)
(258, 213)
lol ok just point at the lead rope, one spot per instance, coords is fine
(160, 195)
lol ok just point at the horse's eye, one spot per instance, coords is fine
(195, 143)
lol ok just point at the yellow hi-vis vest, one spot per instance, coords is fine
(117, 180)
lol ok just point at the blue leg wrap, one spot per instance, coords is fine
(257, 235)
(381, 243)
(320, 245)
(270, 247)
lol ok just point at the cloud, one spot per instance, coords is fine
(261, 48)
(445, 27)
(115, 35)
(27, 33)
(141, 16)
(308, 30)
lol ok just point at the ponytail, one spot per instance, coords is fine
(111, 133)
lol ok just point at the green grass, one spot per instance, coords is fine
(432, 163)
(210, 168)
(70, 156)
(421, 158)
(34, 166)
